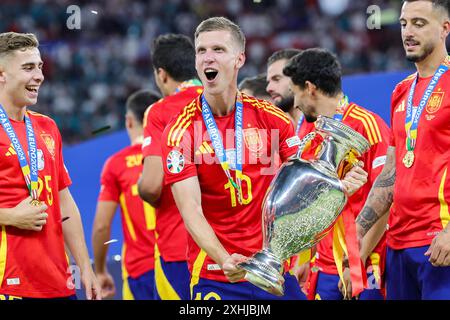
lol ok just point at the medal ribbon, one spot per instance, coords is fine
(187, 84)
(341, 108)
(299, 124)
(411, 124)
(218, 146)
(30, 172)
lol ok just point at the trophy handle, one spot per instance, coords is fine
(301, 147)
(351, 157)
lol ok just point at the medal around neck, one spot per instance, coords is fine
(408, 159)
(302, 203)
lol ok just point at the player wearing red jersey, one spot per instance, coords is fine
(415, 180)
(316, 82)
(219, 183)
(34, 229)
(119, 186)
(174, 70)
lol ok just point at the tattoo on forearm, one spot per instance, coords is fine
(379, 200)
(367, 218)
(385, 181)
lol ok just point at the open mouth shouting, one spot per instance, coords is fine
(211, 74)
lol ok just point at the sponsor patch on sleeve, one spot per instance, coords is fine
(293, 141)
(175, 161)
(380, 161)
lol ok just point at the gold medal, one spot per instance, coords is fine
(35, 202)
(408, 159)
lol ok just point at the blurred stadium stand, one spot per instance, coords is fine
(90, 72)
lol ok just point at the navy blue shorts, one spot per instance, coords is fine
(172, 280)
(143, 287)
(410, 276)
(327, 288)
(214, 290)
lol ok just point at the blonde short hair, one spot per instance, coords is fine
(12, 41)
(219, 24)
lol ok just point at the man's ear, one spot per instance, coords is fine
(2, 73)
(163, 75)
(445, 29)
(311, 88)
(128, 120)
(240, 60)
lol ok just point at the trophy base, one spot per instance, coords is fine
(265, 272)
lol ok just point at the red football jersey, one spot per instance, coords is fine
(34, 264)
(422, 192)
(376, 131)
(119, 184)
(188, 151)
(170, 229)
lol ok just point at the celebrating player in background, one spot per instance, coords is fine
(119, 186)
(219, 183)
(173, 59)
(37, 212)
(278, 88)
(415, 179)
(255, 87)
(316, 82)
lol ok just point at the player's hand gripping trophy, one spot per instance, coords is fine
(302, 203)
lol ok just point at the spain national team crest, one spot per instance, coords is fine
(253, 140)
(435, 102)
(49, 143)
(175, 161)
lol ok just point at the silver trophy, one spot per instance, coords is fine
(302, 203)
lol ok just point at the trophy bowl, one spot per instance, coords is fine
(302, 203)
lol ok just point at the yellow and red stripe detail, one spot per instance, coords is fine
(183, 121)
(443, 213)
(3, 251)
(368, 121)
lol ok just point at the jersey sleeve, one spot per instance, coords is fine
(63, 174)
(109, 189)
(177, 153)
(288, 141)
(375, 157)
(153, 130)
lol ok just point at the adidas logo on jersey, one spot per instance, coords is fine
(401, 107)
(11, 151)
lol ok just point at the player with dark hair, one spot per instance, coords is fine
(119, 187)
(173, 59)
(316, 82)
(414, 185)
(278, 88)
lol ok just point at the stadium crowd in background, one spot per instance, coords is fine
(92, 70)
